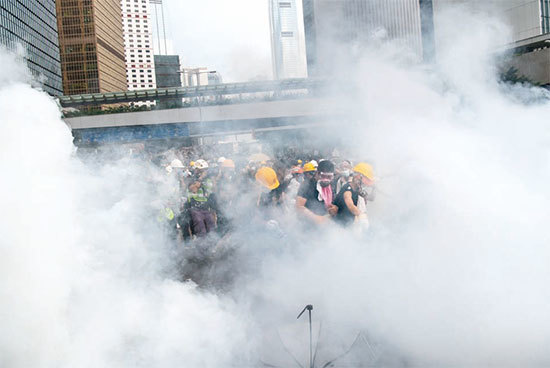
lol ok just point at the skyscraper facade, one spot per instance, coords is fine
(168, 74)
(332, 26)
(138, 44)
(287, 39)
(168, 71)
(526, 39)
(32, 24)
(526, 18)
(91, 44)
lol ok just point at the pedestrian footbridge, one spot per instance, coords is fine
(223, 109)
(201, 121)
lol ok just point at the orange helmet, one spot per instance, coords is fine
(228, 163)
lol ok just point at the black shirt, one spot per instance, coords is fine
(308, 190)
(344, 216)
(272, 198)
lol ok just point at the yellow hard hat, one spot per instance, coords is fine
(228, 163)
(364, 169)
(308, 167)
(267, 177)
(300, 162)
(192, 163)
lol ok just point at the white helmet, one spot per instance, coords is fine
(221, 160)
(201, 164)
(314, 163)
(177, 164)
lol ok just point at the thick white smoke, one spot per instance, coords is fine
(85, 276)
(453, 272)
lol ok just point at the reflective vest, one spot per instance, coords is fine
(201, 197)
(166, 214)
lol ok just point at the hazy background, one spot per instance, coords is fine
(231, 37)
(454, 271)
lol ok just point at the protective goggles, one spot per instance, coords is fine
(326, 176)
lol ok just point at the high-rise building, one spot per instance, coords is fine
(526, 18)
(193, 77)
(168, 74)
(91, 43)
(332, 26)
(287, 39)
(168, 71)
(528, 40)
(32, 24)
(138, 44)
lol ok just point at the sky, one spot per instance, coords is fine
(231, 37)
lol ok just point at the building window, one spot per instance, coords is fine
(287, 34)
(285, 4)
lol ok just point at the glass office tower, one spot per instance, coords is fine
(32, 24)
(287, 39)
(332, 27)
(91, 43)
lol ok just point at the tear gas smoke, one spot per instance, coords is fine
(453, 271)
(84, 271)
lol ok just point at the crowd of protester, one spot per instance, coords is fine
(216, 194)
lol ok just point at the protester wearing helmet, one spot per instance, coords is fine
(198, 195)
(314, 199)
(309, 171)
(273, 194)
(348, 197)
(227, 171)
(342, 176)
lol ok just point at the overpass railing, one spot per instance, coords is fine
(160, 94)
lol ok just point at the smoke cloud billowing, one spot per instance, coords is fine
(453, 271)
(85, 278)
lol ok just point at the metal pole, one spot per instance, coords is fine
(163, 28)
(309, 308)
(310, 342)
(157, 24)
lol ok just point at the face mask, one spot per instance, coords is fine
(324, 183)
(346, 173)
